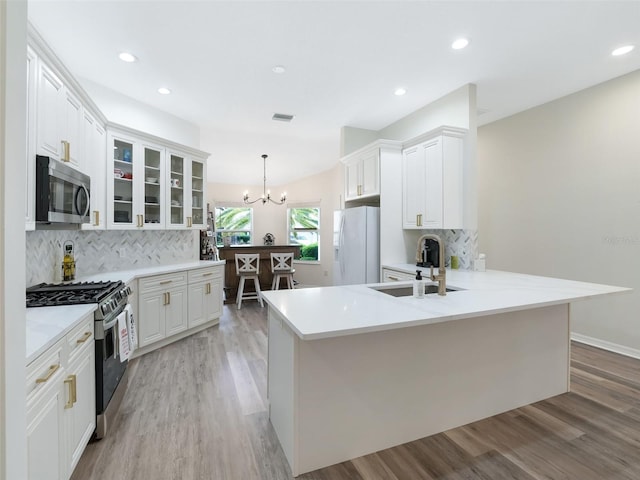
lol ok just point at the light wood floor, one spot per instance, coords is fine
(197, 410)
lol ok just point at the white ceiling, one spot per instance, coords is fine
(344, 59)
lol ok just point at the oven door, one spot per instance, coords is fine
(62, 192)
(109, 368)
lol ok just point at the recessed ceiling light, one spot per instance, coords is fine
(164, 91)
(400, 91)
(460, 43)
(622, 50)
(278, 69)
(127, 57)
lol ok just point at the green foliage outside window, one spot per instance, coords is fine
(304, 230)
(235, 223)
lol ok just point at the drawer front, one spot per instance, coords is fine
(44, 370)
(395, 276)
(167, 281)
(208, 273)
(80, 336)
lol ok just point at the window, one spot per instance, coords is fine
(234, 223)
(304, 230)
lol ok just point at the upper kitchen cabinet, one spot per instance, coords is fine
(186, 181)
(362, 174)
(93, 164)
(153, 183)
(135, 191)
(59, 118)
(30, 163)
(433, 180)
(62, 123)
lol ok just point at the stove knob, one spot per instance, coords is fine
(114, 304)
(106, 308)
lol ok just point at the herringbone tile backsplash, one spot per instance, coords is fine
(105, 251)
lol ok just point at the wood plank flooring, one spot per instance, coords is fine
(197, 409)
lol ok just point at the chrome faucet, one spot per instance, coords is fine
(441, 278)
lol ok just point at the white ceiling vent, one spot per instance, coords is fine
(282, 117)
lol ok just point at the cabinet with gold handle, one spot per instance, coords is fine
(359, 189)
(66, 151)
(84, 338)
(394, 278)
(52, 369)
(207, 289)
(419, 220)
(96, 218)
(71, 381)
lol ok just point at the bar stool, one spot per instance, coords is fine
(282, 267)
(248, 267)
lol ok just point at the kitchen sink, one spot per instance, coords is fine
(407, 291)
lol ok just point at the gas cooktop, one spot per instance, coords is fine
(51, 294)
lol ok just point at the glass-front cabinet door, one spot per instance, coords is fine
(122, 209)
(177, 217)
(135, 187)
(153, 187)
(198, 200)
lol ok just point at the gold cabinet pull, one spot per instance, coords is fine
(168, 298)
(419, 220)
(359, 189)
(189, 222)
(391, 277)
(71, 382)
(164, 282)
(208, 289)
(84, 338)
(52, 369)
(164, 298)
(207, 274)
(66, 151)
(96, 218)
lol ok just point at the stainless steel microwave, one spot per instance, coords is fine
(62, 192)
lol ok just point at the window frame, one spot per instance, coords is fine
(233, 205)
(315, 205)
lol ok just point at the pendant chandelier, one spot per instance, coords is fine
(266, 194)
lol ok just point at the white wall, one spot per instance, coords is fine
(324, 188)
(13, 47)
(559, 193)
(118, 108)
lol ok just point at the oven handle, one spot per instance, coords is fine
(111, 323)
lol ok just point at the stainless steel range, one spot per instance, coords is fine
(111, 298)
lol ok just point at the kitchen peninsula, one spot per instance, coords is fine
(231, 279)
(353, 370)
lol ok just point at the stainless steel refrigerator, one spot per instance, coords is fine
(356, 246)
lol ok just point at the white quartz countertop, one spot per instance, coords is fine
(46, 325)
(324, 312)
(128, 275)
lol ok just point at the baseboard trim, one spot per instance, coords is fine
(612, 347)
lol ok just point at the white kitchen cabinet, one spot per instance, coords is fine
(80, 409)
(362, 174)
(390, 275)
(135, 190)
(30, 162)
(61, 404)
(59, 117)
(162, 307)
(205, 295)
(186, 181)
(432, 186)
(93, 164)
(45, 416)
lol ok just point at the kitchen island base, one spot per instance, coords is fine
(338, 398)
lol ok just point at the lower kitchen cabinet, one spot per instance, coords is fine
(162, 307)
(174, 305)
(61, 404)
(205, 295)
